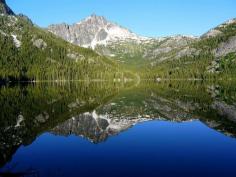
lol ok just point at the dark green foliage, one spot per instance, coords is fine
(54, 59)
(228, 64)
(51, 100)
(51, 59)
(197, 66)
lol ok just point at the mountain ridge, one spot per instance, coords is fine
(124, 47)
(30, 53)
(96, 21)
(4, 9)
(96, 30)
(25, 47)
(160, 56)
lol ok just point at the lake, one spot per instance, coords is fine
(106, 129)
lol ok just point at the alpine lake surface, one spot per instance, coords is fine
(106, 129)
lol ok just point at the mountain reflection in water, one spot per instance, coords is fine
(97, 111)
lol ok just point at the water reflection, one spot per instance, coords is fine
(179, 102)
(97, 111)
(28, 111)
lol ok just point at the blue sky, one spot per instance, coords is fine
(145, 17)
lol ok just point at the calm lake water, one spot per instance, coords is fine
(177, 129)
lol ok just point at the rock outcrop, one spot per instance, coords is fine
(92, 31)
(226, 47)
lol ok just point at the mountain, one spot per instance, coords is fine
(211, 55)
(93, 31)
(31, 53)
(112, 40)
(113, 52)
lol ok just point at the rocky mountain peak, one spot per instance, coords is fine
(95, 19)
(93, 22)
(92, 31)
(4, 9)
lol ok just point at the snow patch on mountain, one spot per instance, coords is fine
(93, 31)
(113, 33)
(109, 32)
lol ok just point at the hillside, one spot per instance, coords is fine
(209, 56)
(97, 49)
(213, 56)
(31, 53)
(119, 43)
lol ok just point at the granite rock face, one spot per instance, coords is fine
(226, 47)
(109, 39)
(92, 31)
